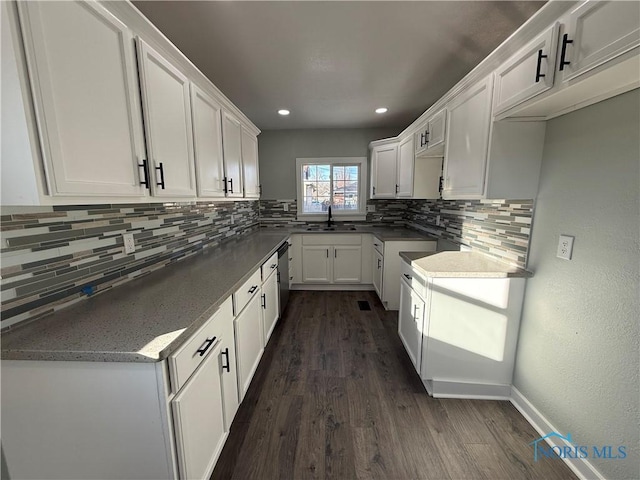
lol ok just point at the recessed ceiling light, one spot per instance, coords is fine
(284, 112)
(382, 110)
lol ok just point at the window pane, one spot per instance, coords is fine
(324, 172)
(345, 187)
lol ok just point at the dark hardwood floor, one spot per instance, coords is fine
(336, 396)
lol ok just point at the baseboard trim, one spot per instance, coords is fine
(580, 466)
(330, 286)
(473, 391)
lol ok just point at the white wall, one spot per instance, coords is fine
(578, 359)
(278, 150)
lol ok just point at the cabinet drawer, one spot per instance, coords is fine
(414, 279)
(269, 266)
(378, 245)
(184, 361)
(246, 292)
(332, 239)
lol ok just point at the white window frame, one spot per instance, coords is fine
(360, 214)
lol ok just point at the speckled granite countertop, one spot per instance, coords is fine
(148, 318)
(461, 264)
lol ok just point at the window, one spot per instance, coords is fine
(339, 182)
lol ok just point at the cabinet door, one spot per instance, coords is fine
(468, 127)
(347, 264)
(420, 139)
(167, 115)
(405, 168)
(378, 265)
(437, 126)
(316, 264)
(410, 323)
(249, 343)
(81, 62)
(207, 142)
(528, 73)
(198, 418)
(383, 171)
(229, 371)
(270, 306)
(232, 148)
(251, 177)
(598, 32)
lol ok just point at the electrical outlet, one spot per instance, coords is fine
(285, 207)
(129, 243)
(371, 208)
(565, 247)
(232, 219)
(438, 220)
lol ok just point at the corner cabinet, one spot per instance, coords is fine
(81, 63)
(167, 115)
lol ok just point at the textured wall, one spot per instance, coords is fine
(578, 350)
(280, 148)
(50, 253)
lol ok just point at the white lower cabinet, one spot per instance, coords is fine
(347, 264)
(378, 265)
(249, 342)
(199, 422)
(316, 266)
(270, 305)
(335, 259)
(461, 332)
(410, 323)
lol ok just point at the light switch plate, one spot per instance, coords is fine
(565, 247)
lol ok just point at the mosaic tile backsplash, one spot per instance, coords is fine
(500, 228)
(50, 257)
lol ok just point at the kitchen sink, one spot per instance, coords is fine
(330, 229)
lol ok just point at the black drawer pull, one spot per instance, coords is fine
(225, 185)
(206, 346)
(161, 169)
(145, 170)
(563, 55)
(538, 74)
(273, 266)
(253, 289)
(226, 367)
(378, 264)
(231, 183)
(264, 301)
(407, 276)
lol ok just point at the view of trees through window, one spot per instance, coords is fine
(335, 185)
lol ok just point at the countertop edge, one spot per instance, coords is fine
(489, 273)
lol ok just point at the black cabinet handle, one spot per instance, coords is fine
(278, 274)
(225, 185)
(422, 142)
(226, 367)
(396, 188)
(206, 346)
(538, 74)
(231, 183)
(426, 137)
(563, 55)
(145, 171)
(161, 169)
(327, 253)
(264, 300)
(374, 190)
(335, 253)
(253, 289)
(407, 276)
(273, 266)
(378, 264)
(440, 182)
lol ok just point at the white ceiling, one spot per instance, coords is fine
(332, 63)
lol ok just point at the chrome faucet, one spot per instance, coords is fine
(329, 218)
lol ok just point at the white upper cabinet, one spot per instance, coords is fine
(167, 114)
(528, 73)
(597, 32)
(468, 125)
(232, 148)
(207, 142)
(405, 168)
(81, 63)
(383, 171)
(250, 171)
(429, 140)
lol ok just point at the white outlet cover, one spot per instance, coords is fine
(286, 207)
(129, 243)
(371, 208)
(565, 247)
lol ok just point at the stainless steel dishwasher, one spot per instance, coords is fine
(283, 275)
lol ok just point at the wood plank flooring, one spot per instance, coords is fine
(336, 397)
